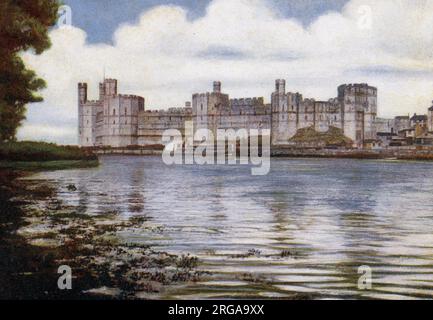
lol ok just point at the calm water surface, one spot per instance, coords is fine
(306, 227)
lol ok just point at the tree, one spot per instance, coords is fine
(24, 25)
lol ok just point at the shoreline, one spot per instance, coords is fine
(40, 233)
(34, 166)
(404, 154)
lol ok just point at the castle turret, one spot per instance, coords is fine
(101, 91)
(110, 87)
(217, 87)
(430, 118)
(82, 93)
(280, 86)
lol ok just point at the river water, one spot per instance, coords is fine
(305, 228)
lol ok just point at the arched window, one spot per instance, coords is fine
(114, 112)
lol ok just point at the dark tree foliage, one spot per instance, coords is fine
(24, 25)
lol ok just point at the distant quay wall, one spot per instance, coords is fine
(399, 153)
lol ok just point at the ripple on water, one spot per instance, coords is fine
(305, 228)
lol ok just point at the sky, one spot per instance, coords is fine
(167, 50)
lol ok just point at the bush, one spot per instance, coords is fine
(41, 151)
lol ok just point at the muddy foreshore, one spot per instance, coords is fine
(38, 234)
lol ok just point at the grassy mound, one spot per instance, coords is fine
(41, 151)
(333, 137)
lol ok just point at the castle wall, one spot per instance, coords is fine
(121, 120)
(152, 124)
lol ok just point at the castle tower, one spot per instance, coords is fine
(284, 108)
(280, 86)
(207, 106)
(359, 103)
(110, 87)
(82, 93)
(85, 118)
(217, 87)
(430, 119)
(101, 91)
(120, 115)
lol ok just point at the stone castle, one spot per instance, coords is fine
(116, 120)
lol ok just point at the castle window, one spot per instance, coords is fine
(202, 107)
(306, 118)
(114, 112)
(126, 111)
(114, 121)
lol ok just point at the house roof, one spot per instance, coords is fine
(416, 117)
(385, 134)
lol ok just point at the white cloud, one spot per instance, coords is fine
(246, 44)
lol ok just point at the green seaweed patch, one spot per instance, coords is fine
(48, 165)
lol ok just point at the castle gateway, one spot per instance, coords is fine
(116, 120)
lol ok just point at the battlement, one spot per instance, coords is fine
(353, 88)
(251, 102)
(176, 111)
(200, 95)
(130, 96)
